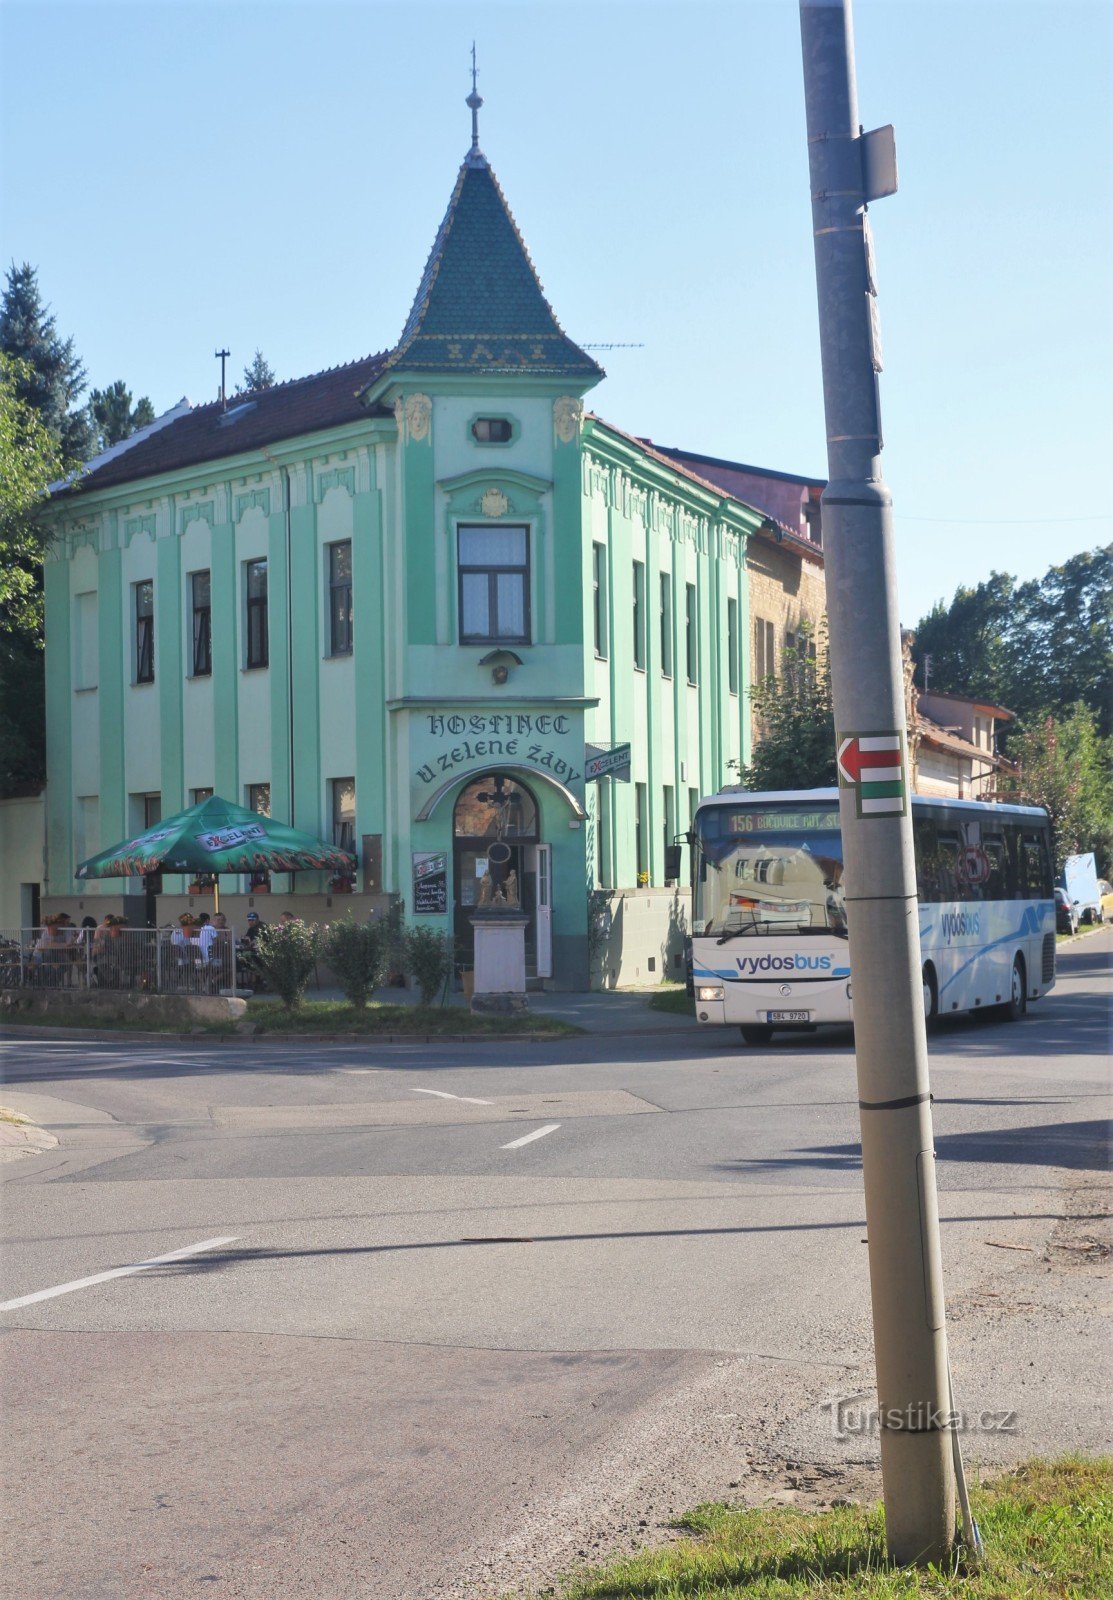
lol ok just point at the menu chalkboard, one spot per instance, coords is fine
(430, 883)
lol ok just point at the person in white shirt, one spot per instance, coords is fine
(213, 945)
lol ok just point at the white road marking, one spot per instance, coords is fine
(528, 1138)
(443, 1094)
(356, 1071)
(116, 1272)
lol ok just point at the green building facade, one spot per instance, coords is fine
(399, 604)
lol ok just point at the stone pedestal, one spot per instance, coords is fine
(500, 961)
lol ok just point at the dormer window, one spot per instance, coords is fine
(492, 430)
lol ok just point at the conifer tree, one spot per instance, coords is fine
(259, 375)
(114, 416)
(52, 377)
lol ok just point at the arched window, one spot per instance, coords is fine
(495, 807)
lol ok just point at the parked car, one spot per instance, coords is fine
(1080, 880)
(1066, 913)
(1105, 889)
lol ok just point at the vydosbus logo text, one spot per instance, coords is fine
(796, 963)
(957, 923)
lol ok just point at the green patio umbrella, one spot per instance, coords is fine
(215, 836)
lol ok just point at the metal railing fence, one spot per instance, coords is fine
(142, 960)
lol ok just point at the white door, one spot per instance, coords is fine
(544, 910)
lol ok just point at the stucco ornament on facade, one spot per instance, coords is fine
(419, 414)
(494, 503)
(568, 414)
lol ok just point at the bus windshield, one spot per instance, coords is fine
(768, 869)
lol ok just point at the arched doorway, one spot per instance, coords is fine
(498, 809)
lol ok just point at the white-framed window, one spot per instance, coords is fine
(691, 632)
(201, 624)
(340, 598)
(144, 602)
(493, 584)
(257, 633)
(599, 598)
(666, 625)
(639, 615)
(343, 794)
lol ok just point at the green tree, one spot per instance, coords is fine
(1037, 647)
(115, 417)
(967, 640)
(795, 746)
(30, 459)
(1064, 764)
(51, 378)
(259, 375)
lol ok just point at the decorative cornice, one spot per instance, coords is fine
(334, 478)
(141, 525)
(249, 501)
(502, 477)
(199, 511)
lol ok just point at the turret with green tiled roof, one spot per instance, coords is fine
(480, 306)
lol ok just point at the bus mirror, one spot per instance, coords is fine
(672, 861)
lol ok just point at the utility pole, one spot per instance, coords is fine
(849, 168)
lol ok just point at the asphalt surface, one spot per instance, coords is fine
(456, 1317)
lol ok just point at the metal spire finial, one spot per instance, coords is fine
(474, 100)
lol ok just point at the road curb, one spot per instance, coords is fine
(22, 1138)
(115, 1035)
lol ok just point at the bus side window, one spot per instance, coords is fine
(923, 837)
(1014, 866)
(951, 873)
(997, 884)
(1037, 868)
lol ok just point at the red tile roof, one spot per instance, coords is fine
(208, 432)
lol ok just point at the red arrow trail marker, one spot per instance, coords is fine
(872, 764)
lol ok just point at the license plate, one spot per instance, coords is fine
(788, 1016)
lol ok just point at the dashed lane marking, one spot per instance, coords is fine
(528, 1138)
(443, 1094)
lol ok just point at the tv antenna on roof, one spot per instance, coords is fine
(612, 347)
(222, 356)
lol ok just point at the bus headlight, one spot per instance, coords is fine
(710, 991)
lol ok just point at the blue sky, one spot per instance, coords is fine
(187, 175)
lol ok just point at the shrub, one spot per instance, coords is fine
(285, 953)
(357, 952)
(429, 960)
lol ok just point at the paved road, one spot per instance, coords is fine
(463, 1314)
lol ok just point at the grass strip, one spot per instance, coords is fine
(336, 1016)
(675, 1000)
(1047, 1526)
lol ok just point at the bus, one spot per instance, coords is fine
(769, 936)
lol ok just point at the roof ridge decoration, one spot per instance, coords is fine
(480, 306)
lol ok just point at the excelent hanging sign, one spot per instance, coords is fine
(872, 764)
(603, 763)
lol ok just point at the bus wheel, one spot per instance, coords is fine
(931, 995)
(757, 1033)
(1016, 1006)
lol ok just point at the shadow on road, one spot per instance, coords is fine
(217, 1260)
(1079, 1146)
